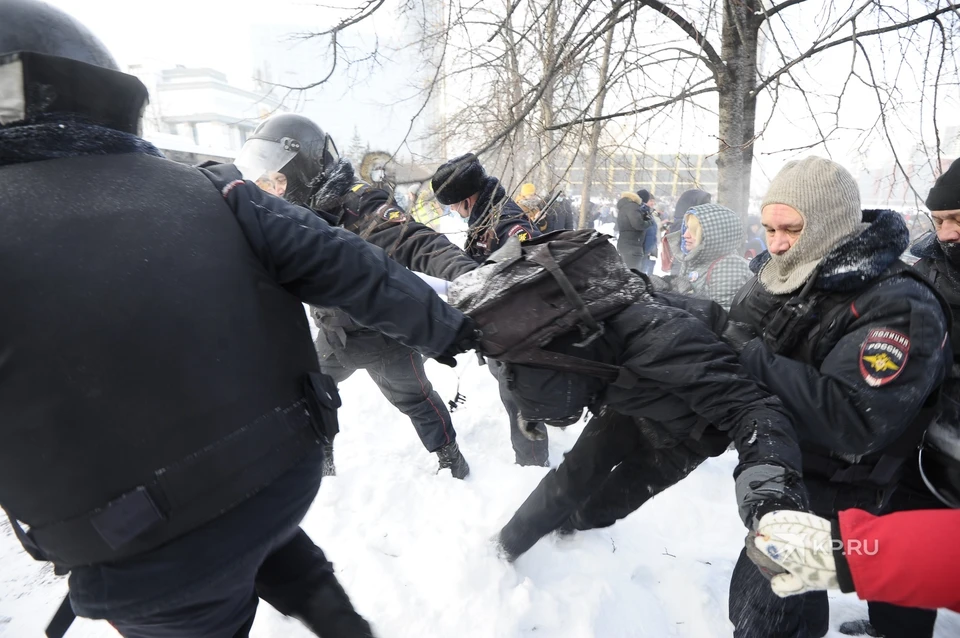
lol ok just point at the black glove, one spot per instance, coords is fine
(736, 335)
(468, 338)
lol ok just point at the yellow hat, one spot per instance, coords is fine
(527, 190)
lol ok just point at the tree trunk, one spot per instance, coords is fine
(547, 172)
(516, 165)
(591, 160)
(737, 107)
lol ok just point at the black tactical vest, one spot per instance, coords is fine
(806, 327)
(151, 371)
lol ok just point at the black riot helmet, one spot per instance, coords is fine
(294, 146)
(50, 63)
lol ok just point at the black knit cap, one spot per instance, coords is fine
(644, 195)
(945, 194)
(458, 179)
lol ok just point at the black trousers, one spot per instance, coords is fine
(570, 491)
(527, 452)
(298, 580)
(403, 381)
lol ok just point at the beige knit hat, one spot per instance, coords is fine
(826, 196)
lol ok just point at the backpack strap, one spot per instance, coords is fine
(545, 259)
(61, 620)
(710, 268)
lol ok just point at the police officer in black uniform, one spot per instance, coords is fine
(162, 407)
(492, 219)
(855, 345)
(316, 177)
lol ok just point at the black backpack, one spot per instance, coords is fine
(529, 293)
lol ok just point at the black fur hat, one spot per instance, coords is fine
(945, 194)
(644, 195)
(458, 179)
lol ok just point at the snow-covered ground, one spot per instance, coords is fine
(413, 547)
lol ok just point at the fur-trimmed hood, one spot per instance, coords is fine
(861, 257)
(633, 197)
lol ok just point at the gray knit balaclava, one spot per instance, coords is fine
(826, 196)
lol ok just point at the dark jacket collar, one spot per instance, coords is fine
(927, 247)
(860, 258)
(60, 135)
(491, 194)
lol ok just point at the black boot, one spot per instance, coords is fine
(859, 628)
(298, 581)
(329, 469)
(451, 458)
(330, 614)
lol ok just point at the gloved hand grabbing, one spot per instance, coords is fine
(468, 338)
(736, 335)
(801, 544)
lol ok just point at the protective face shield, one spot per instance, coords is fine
(293, 146)
(260, 157)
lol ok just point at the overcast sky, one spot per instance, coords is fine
(222, 34)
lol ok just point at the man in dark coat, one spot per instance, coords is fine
(681, 397)
(493, 218)
(855, 345)
(559, 215)
(343, 345)
(634, 217)
(172, 428)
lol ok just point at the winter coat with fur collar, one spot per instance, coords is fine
(866, 349)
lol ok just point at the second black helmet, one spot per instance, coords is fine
(294, 146)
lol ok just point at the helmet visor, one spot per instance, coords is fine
(330, 153)
(259, 157)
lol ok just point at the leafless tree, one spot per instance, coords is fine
(534, 84)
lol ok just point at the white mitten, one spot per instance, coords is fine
(802, 544)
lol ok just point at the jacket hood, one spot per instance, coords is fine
(723, 234)
(633, 197)
(861, 257)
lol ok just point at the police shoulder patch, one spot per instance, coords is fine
(883, 356)
(519, 232)
(393, 214)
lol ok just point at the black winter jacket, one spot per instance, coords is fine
(686, 387)
(495, 218)
(559, 216)
(936, 267)
(184, 300)
(633, 219)
(689, 384)
(856, 369)
(371, 214)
